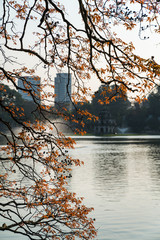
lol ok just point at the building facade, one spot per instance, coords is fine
(31, 85)
(63, 83)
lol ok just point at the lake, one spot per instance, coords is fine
(121, 180)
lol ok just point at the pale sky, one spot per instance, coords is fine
(144, 48)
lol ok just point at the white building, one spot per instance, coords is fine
(63, 88)
(30, 85)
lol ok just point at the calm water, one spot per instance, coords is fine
(121, 180)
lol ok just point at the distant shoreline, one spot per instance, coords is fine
(108, 138)
(117, 137)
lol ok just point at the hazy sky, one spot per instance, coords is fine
(144, 48)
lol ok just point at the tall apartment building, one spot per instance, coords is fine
(63, 88)
(32, 84)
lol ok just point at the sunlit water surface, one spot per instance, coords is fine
(121, 180)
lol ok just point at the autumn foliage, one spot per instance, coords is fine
(37, 39)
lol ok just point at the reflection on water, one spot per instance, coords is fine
(122, 183)
(121, 180)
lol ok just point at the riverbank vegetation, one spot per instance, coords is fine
(143, 118)
(39, 38)
(11, 96)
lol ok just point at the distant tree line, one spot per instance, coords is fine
(23, 109)
(145, 117)
(138, 118)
